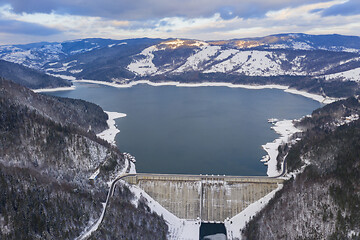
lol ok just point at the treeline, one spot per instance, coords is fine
(325, 198)
(133, 222)
(33, 206)
(30, 78)
(65, 111)
(45, 167)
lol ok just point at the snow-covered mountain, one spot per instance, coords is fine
(36, 55)
(322, 58)
(253, 62)
(271, 56)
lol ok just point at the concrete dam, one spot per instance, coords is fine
(212, 198)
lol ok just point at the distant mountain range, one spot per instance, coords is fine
(48, 146)
(323, 64)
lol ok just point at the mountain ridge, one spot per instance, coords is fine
(328, 59)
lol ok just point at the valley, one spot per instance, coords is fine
(181, 106)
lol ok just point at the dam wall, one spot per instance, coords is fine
(210, 198)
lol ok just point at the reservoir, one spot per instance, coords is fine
(195, 130)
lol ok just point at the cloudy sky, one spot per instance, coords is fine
(24, 21)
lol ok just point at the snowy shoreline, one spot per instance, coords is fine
(313, 96)
(285, 128)
(53, 89)
(110, 133)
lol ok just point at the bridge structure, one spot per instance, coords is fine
(211, 198)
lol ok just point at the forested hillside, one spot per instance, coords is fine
(30, 78)
(82, 114)
(45, 165)
(322, 202)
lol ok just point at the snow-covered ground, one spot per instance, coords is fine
(194, 62)
(66, 77)
(313, 96)
(285, 129)
(261, 63)
(110, 133)
(347, 120)
(238, 222)
(351, 75)
(144, 66)
(54, 89)
(224, 54)
(179, 229)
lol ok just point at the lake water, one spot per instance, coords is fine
(201, 130)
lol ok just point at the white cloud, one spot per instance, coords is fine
(303, 18)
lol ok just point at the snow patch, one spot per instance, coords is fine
(68, 63)
(251, 63)
(301, 46)
(144, 66)
(350, 75)
(313, 96)
(225, 54)
(75, 71)
(230, 64)
(261, 63)
(347, 120)
(54, 89)
(110, 133)
(285, 129)
(353, 234)
(66, 77)
(195, 61)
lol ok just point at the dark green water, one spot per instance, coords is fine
(204, 130)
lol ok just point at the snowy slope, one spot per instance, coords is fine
(144, 66)
(33, 58)
(38, 54)
(275, 55)
(195, 61)
(231, 59)
(261, 63)
(351, 75)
